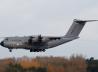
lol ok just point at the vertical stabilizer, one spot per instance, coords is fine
(76, 27)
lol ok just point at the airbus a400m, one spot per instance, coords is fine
(41, 43)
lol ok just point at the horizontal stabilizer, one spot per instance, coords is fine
(82, 21)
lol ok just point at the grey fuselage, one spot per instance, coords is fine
(40, 43)
(22, 42)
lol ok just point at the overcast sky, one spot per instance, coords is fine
(53, 18)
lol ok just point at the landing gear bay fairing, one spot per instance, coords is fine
(41, 43)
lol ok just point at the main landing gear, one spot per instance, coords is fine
(37, 50)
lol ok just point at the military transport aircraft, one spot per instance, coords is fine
(41, 43)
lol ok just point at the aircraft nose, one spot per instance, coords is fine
(2, 43)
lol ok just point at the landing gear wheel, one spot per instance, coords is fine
(37, 51)
(44, 50)
(31, 50)
(10, 50)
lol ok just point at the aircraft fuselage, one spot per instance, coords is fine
(40, 43)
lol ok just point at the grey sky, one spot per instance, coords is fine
(49, 17)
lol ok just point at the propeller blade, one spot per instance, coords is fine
(40, 38)
(30, 40)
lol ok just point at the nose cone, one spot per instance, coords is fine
(2, 43)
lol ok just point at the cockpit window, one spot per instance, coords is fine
(6, 39)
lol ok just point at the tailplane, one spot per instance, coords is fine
(76, 27)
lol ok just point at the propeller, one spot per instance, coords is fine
(30, 40)
(40, 38)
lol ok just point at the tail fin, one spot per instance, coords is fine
(76, 27)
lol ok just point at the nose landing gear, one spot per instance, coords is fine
(10, 50)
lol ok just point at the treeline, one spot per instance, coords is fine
(49, 64)
(92, 65)
(45, 64)
(18, 68)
